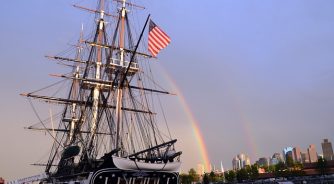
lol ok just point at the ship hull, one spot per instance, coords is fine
(117, 176)
(116, 170)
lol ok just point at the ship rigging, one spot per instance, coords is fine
(108, 129)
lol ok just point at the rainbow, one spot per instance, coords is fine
(247, 129)
(196, 129)
(246, 123)
(244, 119)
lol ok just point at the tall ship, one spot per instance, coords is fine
(107, 130)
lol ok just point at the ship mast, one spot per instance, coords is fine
(96, 90)
(74, 119)
(120, 87)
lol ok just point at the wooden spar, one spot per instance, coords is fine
(131, 4)
(43, 165)
(64, 130)
(66, 59)
(113, 47)
(68, 101)
(93, 11)
(109, 84)
(151, 90)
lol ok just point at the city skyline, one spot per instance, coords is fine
(252, 76)
(295, 153)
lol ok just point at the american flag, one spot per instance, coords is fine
(157, 39)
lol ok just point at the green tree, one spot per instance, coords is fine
(280, 166)
(189, 178)
(265, 167)
(280, 169)
(271, 169)
(298, 166)
(289, 162)
(322, 166)
(220, 177)
(193, 176)
(230, 176)
(213, 177)
(254, 172)
(242, 175)
(184, 179)
(206, 179)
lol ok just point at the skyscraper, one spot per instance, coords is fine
(287, 152)
(305, 157)
(247, 161)
(236, 163)
(240, 161)
(297, 157)
(277, 155)
(327, 150)
(276, 158)
(312, 153)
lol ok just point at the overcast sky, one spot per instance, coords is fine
(257, 75)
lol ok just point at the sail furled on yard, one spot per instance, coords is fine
(157, 39)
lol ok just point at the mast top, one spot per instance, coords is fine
(123, 5)
(101, 9)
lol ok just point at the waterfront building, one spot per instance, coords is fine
(275, 159)
(242, 158)
(312, 153)
(297, 157)
(247, 162)
(327, 150)
(261, 170)
(287, 152)
(277, 156)
(287, 149)
(240, 161)
(305, 157)
(236, 163)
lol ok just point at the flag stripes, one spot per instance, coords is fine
(157, 39)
